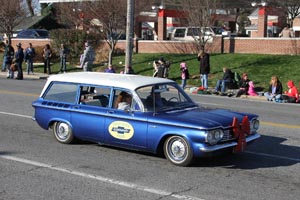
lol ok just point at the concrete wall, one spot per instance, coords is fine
(262, 45)
(226, 45)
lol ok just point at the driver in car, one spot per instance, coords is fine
(155, 97)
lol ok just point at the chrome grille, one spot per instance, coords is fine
(228, 135)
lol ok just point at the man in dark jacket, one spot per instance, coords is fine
(19, 57)
(203, 57)
(225, 81)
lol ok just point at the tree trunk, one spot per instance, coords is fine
(29, 4)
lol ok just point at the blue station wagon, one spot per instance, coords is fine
(140, 113)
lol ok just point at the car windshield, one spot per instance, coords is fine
(165, 97)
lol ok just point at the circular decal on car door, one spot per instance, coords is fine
(121, 130)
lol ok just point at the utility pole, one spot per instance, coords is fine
(129, 33)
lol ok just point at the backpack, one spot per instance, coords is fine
(237, 77)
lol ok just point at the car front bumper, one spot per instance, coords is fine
(206, 149)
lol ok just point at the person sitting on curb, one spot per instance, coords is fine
(251, 90)
(244, 85)
(292, 95)
(274, 92)
(224, 82)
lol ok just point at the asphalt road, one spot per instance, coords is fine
(34, 166)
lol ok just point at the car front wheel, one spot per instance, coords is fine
(63, 132)
(178, 151)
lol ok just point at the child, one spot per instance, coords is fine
(184, 74)
(251, 89)
(292, 95)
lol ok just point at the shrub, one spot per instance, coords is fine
(74, 40)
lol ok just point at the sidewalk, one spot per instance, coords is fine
(26, 76)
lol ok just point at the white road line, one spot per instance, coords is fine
(14, 114)
(101, 178)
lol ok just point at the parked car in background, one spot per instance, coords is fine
(193, 33)
(33, 33)
(140, 113)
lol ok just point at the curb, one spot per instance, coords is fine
(257, 98)
(28, 76)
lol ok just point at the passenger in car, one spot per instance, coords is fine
(123, 101)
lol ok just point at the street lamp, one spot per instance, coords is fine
(154, 7)
(262, 3)
(160, 6)
(159, 9)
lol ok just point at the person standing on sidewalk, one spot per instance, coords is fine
(87, 58)
(29, 55)
(47, 54)
(184, 74)
(203, 57)
(6, 47)
(19, 58)
(63, 54)
(9, 54)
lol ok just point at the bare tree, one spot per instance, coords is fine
(106, 17)
(200, 14)
(291, 7)
(71, 14)
(112, 20)
(11, 15)
(30, 7)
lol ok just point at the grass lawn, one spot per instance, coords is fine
(260, 68)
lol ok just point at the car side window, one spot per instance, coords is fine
(95, 96)
(179, 32)
(193, 32)
(124, 100)
(63, 92)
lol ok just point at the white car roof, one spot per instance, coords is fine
(128, 81)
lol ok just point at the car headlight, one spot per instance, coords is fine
(214, 136)
(254, 125)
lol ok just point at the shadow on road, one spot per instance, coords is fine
(267, 152)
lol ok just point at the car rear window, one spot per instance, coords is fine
(62, 92)
(193, 32)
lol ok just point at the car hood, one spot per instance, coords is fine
(202, 118)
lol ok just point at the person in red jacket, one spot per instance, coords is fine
(292, 95)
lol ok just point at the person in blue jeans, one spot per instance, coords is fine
(203, 58)
(184, 74)
(29, 55)
(224, 82)
(63, 54)
(4, 56)
(274, 92)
